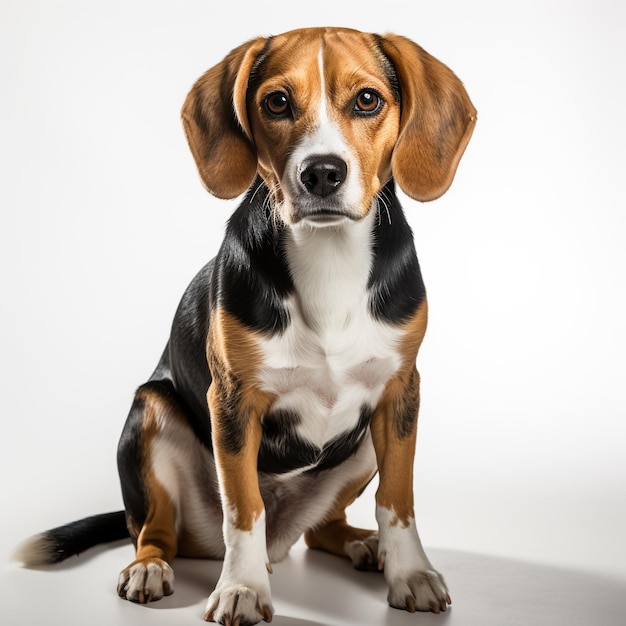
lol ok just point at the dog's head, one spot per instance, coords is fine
(327, 116)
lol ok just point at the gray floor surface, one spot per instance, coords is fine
(315, 589)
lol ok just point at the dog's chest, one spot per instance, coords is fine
(330, 367)
(325, 383)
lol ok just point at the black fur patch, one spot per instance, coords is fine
(395, 283)
(283, 450)
(130, 462)
(407, 407)
(251, 275)
(233, 425)
(57, 544)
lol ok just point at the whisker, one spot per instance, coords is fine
(381, 198)
(259, 186)
(273, 207)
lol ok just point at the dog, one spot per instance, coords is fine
(289, 379)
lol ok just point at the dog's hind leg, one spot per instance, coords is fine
(149, 577)
(336, 536)
(150, 509)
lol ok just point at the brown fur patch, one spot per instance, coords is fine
(395, 465)
(394, 425)
(133, 528)
(237, 405)
(157, 536)
(225, 156)
(438, 119)
(415, 329)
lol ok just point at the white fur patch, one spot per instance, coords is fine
(146, 581)
(413, 582)
(36, 550)
(334, 358)
(186, 470)
(400, 547)
(243, 589)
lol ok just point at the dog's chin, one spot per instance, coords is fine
(323, 220)
(307, 215)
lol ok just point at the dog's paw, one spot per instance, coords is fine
(420, 590)
(145, 581)
(239, 605)
(364, 554)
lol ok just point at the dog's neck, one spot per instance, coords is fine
(330, 268)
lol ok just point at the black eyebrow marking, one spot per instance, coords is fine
(256, 73)
(388, 69)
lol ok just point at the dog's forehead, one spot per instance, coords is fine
(344, 54)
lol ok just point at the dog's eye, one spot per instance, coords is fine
(368, 102)
(277, 104)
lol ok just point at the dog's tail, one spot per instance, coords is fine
(57, 544)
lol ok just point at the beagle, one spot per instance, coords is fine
(289, 377)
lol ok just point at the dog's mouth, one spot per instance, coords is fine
(321, 218)
(313, 212)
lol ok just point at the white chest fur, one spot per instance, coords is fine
(334, 358)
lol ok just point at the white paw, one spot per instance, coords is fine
(419, 590)
(414, 585)
(239, 605)
(146, 581)
(364, 554)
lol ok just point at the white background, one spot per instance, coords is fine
(104, 222)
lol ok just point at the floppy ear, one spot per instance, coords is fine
(216, 123)
(436, 122)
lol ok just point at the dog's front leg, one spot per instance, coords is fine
(242, 594)
(413, 582)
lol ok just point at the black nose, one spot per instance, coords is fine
(323, 175)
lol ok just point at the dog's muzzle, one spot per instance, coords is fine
(321, 180)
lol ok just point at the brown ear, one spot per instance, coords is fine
(216, 124)
(436, 123)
